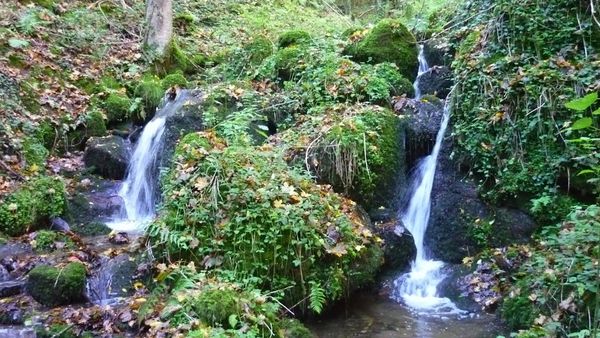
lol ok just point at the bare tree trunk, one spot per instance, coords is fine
(159, 29)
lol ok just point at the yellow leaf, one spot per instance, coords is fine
(278, 203)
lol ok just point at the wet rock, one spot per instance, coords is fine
(17, 332)
(4, 274)
(457, 211)
(11, 288)
(451, 287)
(436, 81)
(59, 224)
(113, 278)
(53, 286)
(398, 246)
(437, 53)
(11, 314)
(119, 238)
(108, 156)
(92, 205)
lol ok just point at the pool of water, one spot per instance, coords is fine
(376, 316)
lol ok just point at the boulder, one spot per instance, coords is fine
(436, 81)
(388, 41)
(437, 53)
(114, 278)
(10, 288)
(398, 246)
(59, 224)
(108, 156)
(461, 223)
(51, 286)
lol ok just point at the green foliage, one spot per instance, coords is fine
(551, 208)
(34, 153)
(46, 240)
(357, 149)
(175, 79)
(33, 202)
(517, 64)
(117, 106)
(293, 37)
(52, 286)
(242, 209)
(95, 124)
(388, 41)
(214, 307)
(558, 285)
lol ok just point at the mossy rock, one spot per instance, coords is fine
(34, 152)
(151, 92)
(214, 306)
(51, 286)
(174, 80)
(176, 59)
(117, 106)
(91, 229)
(33, 203)
(293, 37)
(293, 328)
(286, 60)
(259, 49)
(95, 123)
(46, 240)
(388, 41)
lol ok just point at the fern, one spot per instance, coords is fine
(316, 297)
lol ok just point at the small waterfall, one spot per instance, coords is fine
(139, 190)
(423, 67)
(418, 288)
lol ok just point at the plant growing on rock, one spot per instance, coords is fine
(243, 210)
(53, 286)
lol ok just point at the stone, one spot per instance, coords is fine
(398, 246)
(59, 224)
(119, 238)
(108, 156)
(51, 286)
(11, 288)
(436, 81)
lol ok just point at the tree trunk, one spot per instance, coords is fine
(159, 29)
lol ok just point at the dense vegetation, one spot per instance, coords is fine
(262, 216)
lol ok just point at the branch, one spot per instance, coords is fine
(11, 171)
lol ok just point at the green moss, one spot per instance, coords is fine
(178, 60)
(214, 307)
(57, 331)
(34, 152)
(388, 41)
(117, 106)
(518, 310)
(47, 134)
(49, 4)
(259, 49)
(293, 37)
(91, 229)
(52, 286)
(176, 79)
(95, 124)
(45, 241)
(293, 328)
(286, 60)
(35, 201)
(150, 91)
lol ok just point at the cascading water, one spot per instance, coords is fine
(418, 288)
(138, 191)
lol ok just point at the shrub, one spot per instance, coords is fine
(243, 209)
(52, 286)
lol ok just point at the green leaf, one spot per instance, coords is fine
(596, 112)
(585, 171)
(582, 103)
(18, 43)
(582, 123)
(233, 321)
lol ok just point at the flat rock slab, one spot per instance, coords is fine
(11, 288)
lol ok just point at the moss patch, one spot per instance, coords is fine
(53, 286)
(117, 106)
(293, 37)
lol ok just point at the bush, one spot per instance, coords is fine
(243, 209)
(52, 286)
(35, 201)
(293, 37)
(388, 41)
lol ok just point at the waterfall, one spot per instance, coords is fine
(139, 189)
(418, 288)
(423, 67)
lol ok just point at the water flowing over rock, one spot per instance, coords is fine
(436, 81)
(178, 115)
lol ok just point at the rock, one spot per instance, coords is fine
(59, 224)
(398, 246)
(53, 286)
(424, 117)
(17, 332)
(4, 274)
(437, 53)
(457, 209)
(11, 288)
(114, 278)
(450, 287)
(108, 156)
(94, 204)
(119, 238)
(388, 41)
(436, 81)
(11, 314)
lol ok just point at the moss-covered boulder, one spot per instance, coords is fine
(32, 205)
(293, 37)
(258, 49)
(357, 149)
(150, 91)
(52, 286)
(107, 156)
(117, 105)
(388, 41)
(173, 80)
(255, 222)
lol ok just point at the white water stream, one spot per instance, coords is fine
(139, 190)
(418, 288)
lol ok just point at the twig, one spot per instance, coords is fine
(10, 171)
